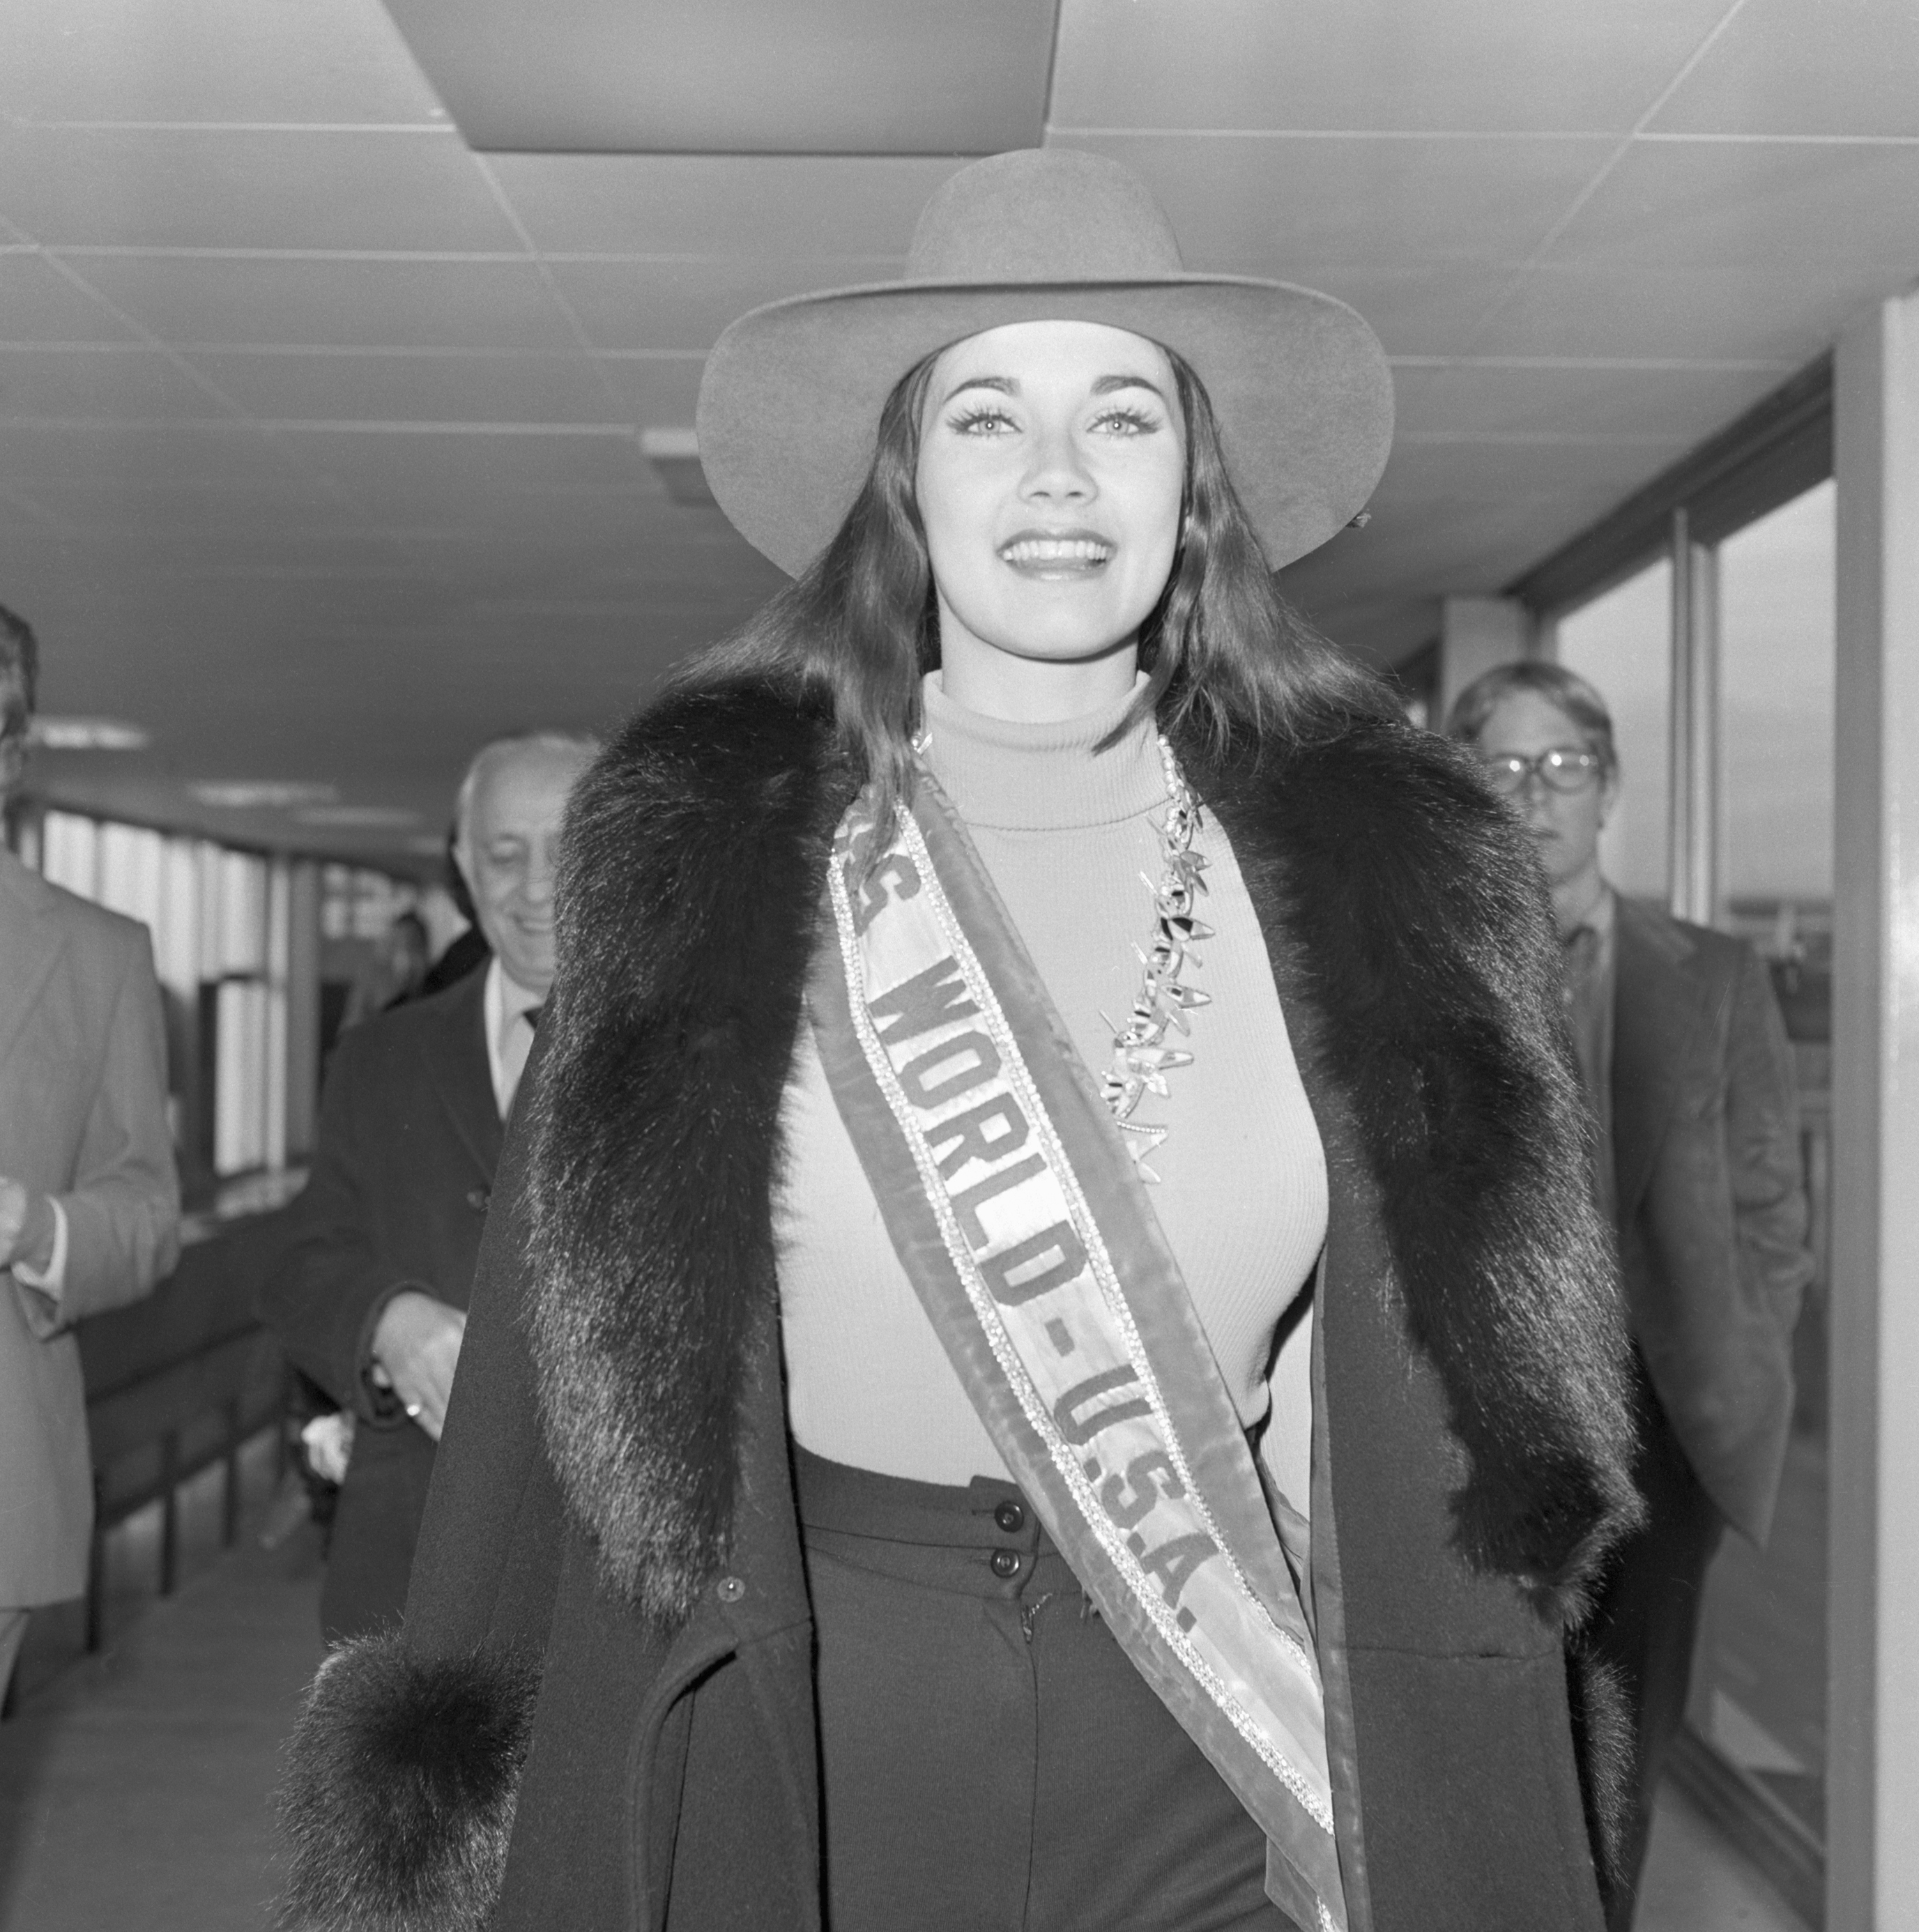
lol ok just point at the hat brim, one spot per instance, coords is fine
(790, 401)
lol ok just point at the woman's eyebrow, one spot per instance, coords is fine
(1106, 385)
(1005, 385)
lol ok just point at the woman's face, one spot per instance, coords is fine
(1052, 460)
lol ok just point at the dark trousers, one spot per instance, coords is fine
(990, 1761)
(1647, 1619)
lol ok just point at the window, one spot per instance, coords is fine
(1759, 1691)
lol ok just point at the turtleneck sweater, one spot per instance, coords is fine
(1068, 834)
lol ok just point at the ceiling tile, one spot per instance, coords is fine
(1416, 308)
(248, 188)
(654, 391)
(1237, 203)
(38, 304)
(1488, 65)
(684, 304)
(411, 388)
(212, 60)
(127, 383)
(1426, 470)
(1707, 313)
(194, 524)
(1782, 209)
(633, 551)
(1687, 403)
(1805, 66)
(417, 471)
(747, 205)
(392, 302)
(231, 454)
(1721, 251)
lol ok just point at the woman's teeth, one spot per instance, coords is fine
(1056, 550)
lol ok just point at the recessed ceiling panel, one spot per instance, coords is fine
(739, 76)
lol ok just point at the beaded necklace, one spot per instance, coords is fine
(1141, 1058)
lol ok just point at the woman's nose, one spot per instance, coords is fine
(1058, 473)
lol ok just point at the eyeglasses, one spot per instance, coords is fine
(1564, 768)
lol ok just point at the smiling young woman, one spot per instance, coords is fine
(996, 1397)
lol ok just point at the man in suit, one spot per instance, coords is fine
(89, 1200)
(1698, 1165)
(370, 1300)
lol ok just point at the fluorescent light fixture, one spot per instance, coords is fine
(361, 817)
(89, 734)
(260, 794)
(674, 454)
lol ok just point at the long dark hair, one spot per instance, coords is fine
(859, 629)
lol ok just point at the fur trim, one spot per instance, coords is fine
(398, 1798)
(1421, 938)
(1603, 1739)
(686, 913)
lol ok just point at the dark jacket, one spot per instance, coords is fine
(601, 1713)
(409, 1138)
(1712, 1207)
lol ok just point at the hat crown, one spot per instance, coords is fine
(1043, 214)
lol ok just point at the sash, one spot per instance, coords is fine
(1027, 1235)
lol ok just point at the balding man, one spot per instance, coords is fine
(371, 1299)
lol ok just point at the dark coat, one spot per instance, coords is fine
(409, 1138)
(601, 1713)
(1711, 1202)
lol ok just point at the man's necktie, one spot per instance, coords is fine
(1582, 964)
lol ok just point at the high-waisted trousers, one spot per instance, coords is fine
(990, 1761)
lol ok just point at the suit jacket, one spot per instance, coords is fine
(409, 1138)
(1711, 1200)
(83, 1118)
(600, 1711)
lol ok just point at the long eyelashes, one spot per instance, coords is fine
(1129, 421)
(969, 422)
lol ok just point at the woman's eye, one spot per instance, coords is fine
(982, 422)
(1126, 422)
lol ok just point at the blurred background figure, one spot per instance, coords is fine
(370, 1299)
(1685, 1060)
(89, 1198)
(396, 972)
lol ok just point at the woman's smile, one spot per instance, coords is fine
(1057, 557)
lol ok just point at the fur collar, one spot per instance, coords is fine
(1411, 932)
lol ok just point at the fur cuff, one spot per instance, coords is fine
(1603, 1734)
(398, 1798)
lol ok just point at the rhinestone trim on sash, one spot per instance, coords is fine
(1141, 1057)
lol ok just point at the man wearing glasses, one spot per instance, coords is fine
(1685, 1062)
(89, 1203)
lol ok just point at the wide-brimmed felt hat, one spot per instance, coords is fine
(789, 403)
